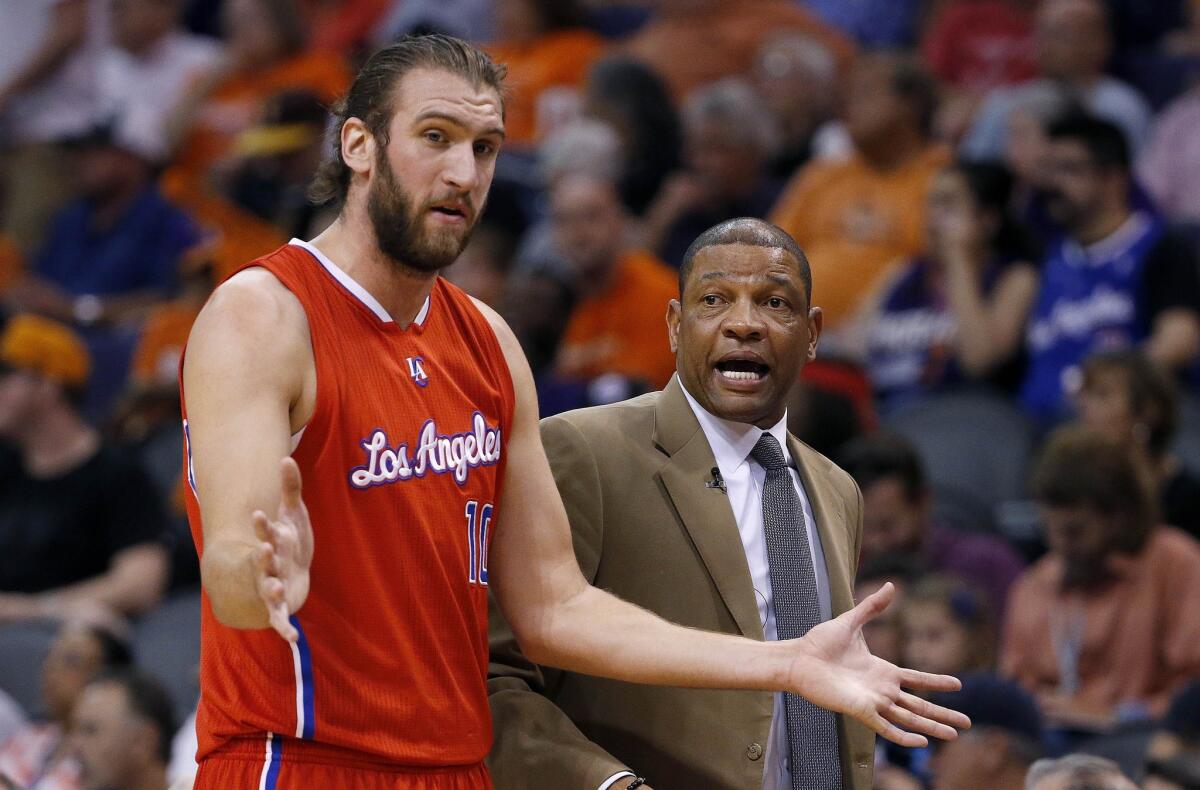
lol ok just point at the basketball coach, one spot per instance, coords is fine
(695, 503)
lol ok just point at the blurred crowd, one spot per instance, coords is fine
(998, 200)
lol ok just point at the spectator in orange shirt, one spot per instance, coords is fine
(266, 53)
(693, 42)
(548, 53)
(1104, 628)
(619, 321)
(857, 218)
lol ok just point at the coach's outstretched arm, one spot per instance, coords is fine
(248, 375)
(561, 620)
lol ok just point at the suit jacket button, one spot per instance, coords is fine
(754, 751)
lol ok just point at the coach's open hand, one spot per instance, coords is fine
(285, 554)
(838, 672)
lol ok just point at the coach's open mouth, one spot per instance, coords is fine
(743, 367)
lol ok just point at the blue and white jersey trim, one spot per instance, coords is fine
(302, 663)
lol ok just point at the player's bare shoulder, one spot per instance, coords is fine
(251, 329)
(514, 355)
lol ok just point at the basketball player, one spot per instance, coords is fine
(410, 411)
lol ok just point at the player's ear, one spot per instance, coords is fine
(358, 146)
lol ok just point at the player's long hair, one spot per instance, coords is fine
(372, 97)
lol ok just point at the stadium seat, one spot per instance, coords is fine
(166, 643)
(976, 446)
(23, 648)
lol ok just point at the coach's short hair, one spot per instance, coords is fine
(754, 232)
(372, 97)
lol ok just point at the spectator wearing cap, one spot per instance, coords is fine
(270, 166)
(1072, 44)
(38, 756)
(1115, 278)
(80, 524)
(897, 505)
(1077, 772)
(114, 252)
(1004, 740)
(121, 732)
(1105, 627)
(855, 219)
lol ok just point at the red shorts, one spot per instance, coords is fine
(237, 769)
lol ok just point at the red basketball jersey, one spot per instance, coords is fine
(401, 464)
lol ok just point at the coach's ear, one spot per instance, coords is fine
(358, 146)
(673, 308)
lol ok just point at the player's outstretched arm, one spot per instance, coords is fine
(560, 620)
(247, 367)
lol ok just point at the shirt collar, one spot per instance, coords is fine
(1116, 243)
(731, 442)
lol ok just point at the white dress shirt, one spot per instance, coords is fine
(731, 443)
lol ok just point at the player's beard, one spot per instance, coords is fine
(400, 231)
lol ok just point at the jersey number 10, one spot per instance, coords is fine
(479, 520)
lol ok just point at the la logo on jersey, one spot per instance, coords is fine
(416, 369)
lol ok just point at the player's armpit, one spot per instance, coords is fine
(247, 374)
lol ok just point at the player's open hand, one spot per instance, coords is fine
(284, 554)
(838, 672)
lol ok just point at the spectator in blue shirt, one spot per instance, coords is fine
(1116, 278)
(115, 251)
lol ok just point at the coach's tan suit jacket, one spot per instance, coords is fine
(632, 476)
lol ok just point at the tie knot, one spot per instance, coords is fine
(768, 453)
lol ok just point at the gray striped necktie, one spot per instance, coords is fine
(812, 731)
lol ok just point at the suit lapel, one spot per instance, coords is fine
(831, 525)
(705, 512)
